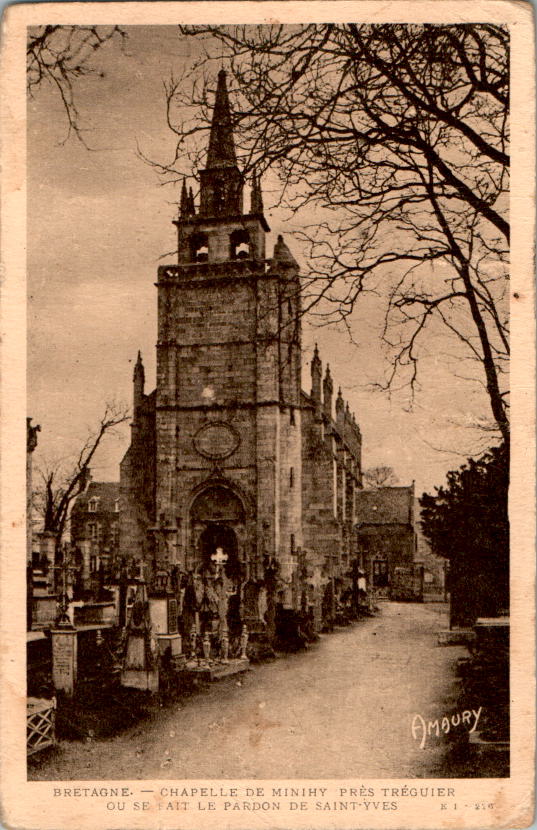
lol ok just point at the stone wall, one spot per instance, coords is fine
(331, 477)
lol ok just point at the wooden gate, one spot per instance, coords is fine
(40, 717)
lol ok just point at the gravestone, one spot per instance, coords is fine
(64, 659)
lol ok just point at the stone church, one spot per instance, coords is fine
(228, 455)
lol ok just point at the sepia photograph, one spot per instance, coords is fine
(268, 415)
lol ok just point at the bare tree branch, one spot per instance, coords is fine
(62, 482)
(396, 137)
(61, 55)
(382, 476)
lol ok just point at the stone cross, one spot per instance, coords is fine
(219, 558)
(62, 620)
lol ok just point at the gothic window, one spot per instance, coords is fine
(239, 245)
(93, 505)
(199, 247)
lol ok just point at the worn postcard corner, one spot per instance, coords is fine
(268, 390)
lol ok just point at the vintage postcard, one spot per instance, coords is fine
(268, 465)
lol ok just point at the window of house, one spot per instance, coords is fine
(116, 506)
(292, 415)
(292, 544)
(380, 573)
(93, 505)
(291, 478)
(92, 531)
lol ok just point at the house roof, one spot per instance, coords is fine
(106, 491)
(385, 506)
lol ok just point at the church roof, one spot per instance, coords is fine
(221, 145)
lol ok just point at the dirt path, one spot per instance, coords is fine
(342, 709)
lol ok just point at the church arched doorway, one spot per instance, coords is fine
(217, 524)
(218, 543)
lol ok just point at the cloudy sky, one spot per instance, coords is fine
(99, 223)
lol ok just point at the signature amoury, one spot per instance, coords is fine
(422, 729)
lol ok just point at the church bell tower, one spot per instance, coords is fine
(221, 231)
(228, 433)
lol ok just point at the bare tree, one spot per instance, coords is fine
(376, 477)
(59, 56)
(396, 138)
(62, 483)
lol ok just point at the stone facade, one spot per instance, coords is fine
(387, 541)
(95, 528)
(228, 452)
(331, 479)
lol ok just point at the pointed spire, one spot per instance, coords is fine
(139, 371)
(316, 380)
(316, 365)
(138, 380)
(191, 207)
(282, 253)
(221, 146)
(327, 392)
(340, 405)
(186, 207)
(183, 207)
(257, 196)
